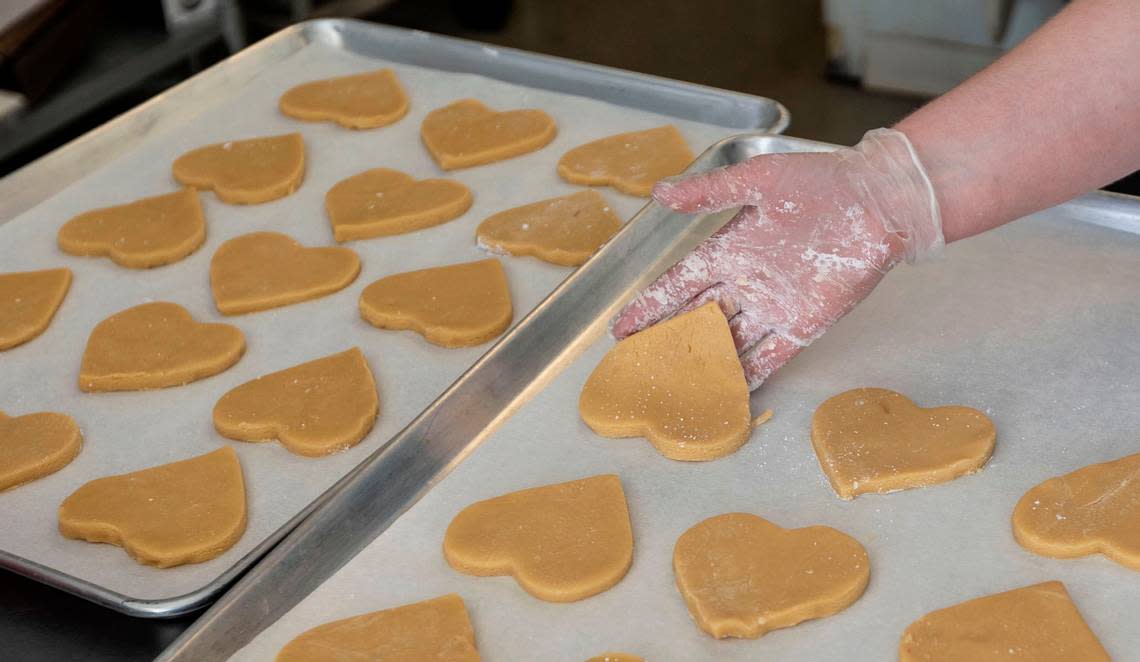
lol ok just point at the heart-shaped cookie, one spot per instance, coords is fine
(265, 270)
(565, 230)
(183, 512)
(28, 301)
(743, 576)
(382, 202)
(1036, 623)
(437, 630)
(871, 440)
(246, 171)
(156, 345)
(145, 233)
(630, 162)
(679, 384)
(458, 305)
(360, 101)
(562, 542)
(315, 408)
(35, 445)
(1092, 510)
(468, 133)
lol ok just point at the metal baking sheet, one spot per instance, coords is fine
(128, 431)
(1033, 323)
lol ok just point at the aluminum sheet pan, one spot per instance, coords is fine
(129, 431)
(1034, 323)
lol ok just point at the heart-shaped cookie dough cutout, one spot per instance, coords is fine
(246, 171)
(265, 270)
(183, 512)
(360, 101)
(871, 440)
(156, 345)
(315, 408)
(142, 234)
(1092, 510)
(1036, 623)
(437, 630)
(743, 576)
(382, 202)
(458, 305)
(468, 133)
(28, 301)
(630, 162)
(566, 230)
(35, 445)
(561, 542)
(679, 384)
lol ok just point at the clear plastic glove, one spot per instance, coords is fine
(816, 233)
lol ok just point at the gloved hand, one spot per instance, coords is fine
(816, 234)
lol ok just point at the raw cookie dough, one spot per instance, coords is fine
(382, 202)
(183, 512)
(630, 162)
(565, 230)
(146, 233)
(458, 305)
(615, 657)
(35, 445)
(679, 384)
(156, 345)
(246, 171)
(468, 133)
(436, 630)
(265, 270)
(561, 542)
(743, 576)
(315, 408)
(875, 440)
(1036, 623)
(28, 301)
(360, 101)
(1088, 511)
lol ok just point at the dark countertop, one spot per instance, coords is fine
(38, 622)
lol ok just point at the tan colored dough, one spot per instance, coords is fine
(156, 345)
(630, 162)
(566, 230)
(265, 270)
(457, 305)
(246, 171)
(315, 408)
(437, 630)
(1093, 510)
(382, 202)
(561, 542)
(1036, 623)
(743, 576)
(871, 440)
(360, 101)
(615, 657)
(679, 384)
(146, 233)
(28, 301)
(35, 445)
(183, 512)
(467, 133)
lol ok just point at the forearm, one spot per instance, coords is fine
(1056, 117)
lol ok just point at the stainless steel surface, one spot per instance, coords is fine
(123, 154)
(41, 179)
(512, 379)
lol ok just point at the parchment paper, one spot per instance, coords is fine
(1036, 324)
(129, 431)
